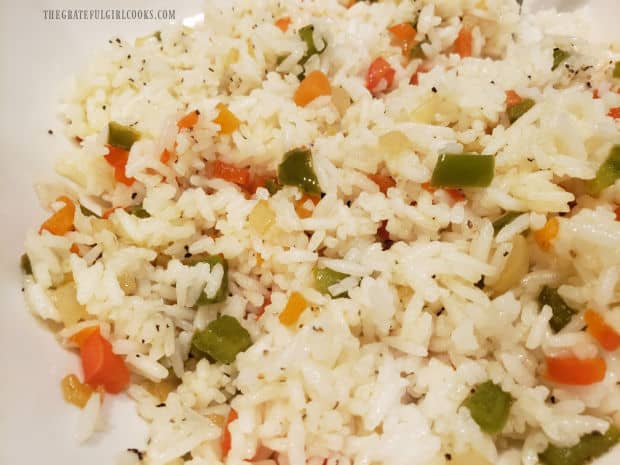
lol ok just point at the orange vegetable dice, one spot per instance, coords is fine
(384, 182)
(228, 172)
(300, 208)
(283, 23)
(606, 336)
(225, 440)
(380, 76)
(102, 367)
(575, 371)
(294, 308)
(61, 222)
(189, 120)
(614, 113)
(314, 85)
(226, 119)
(544, 237)
(512, 98)
(463, 43)
(117, 159)
(404, 35)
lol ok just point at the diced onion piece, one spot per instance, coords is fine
(262, 217)
(516, 267)
(64, 299)
(394, 142)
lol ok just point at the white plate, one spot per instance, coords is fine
(36, 426)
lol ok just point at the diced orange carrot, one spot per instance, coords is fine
(74, 249)
(108, 211)
(79, 337)
(61, 222)
(404, 35)
(575, 371)
(617, 211)
(545, 236)
(595, 94)
(283, 23)
(226, 119)
(463, 43)
(606, 336)
(228, 172)
(294, 308)
(456, 194)
(225, 440)
(383, 181)
(379, 72)
(314, 85)
(102, 367)
(165, 156)
(423, 68)
(382, 232)
(614, 112)
(428, 187)
(300, 205)
(117, 159)
(189, 120)
(512, 98)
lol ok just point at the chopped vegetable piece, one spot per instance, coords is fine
(226, 439)
(417, 51)
(616, 72)
(165, 156)
(588, 448)
(306, 34)
(25, 265)
(161, 389)
(74, 391)
(606, 336)
(512, 98)
(404, 35)
(222, 339)
(272, 186)
(562, 313)
(65, 300)
(428, 187)
(122, 137)
(102, 367)
(384, 182)
(516, 111)
(300, 205)
(489, 406)
(262, 217)
(608, 172)
(559, 56)
(294, 308)
(314, 85)
(117, 158)
(324, 278)
(74, 248)
(544, 237)
(380, 76)
(228, 172)
(617, 212)
(504, 220)
(576, 371)
(138, 210)
(463, 170)
(456, 194)
(283, 23)
(226, 119)
(516, 267)
(212, 260)
(614, 113)
(296, 170)
(189, 120)
(463, 43)
(86, 212)
(60, 222)
(81, 336)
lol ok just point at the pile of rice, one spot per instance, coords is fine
(378, 377)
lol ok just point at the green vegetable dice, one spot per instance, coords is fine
(138, 210)
(24, 264)
(559, 56)
(121, 136)
(463, 170)
(562, 313)
(86, 212)
(324, 278)
(222, 339)
(212, 260)
(296, 170)
(516, 111)
(306, 34)
(505, 220)
(588, 448)
(489, 406)
(608, 172)
(616, 72)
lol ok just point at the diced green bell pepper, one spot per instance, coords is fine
(489, 406)
(222, 339)
(324, 278)
(296, 170)
(562, 313)
(121, 136)
(463, 170)
(588, 448)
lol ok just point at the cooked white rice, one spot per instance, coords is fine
(378, 377)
